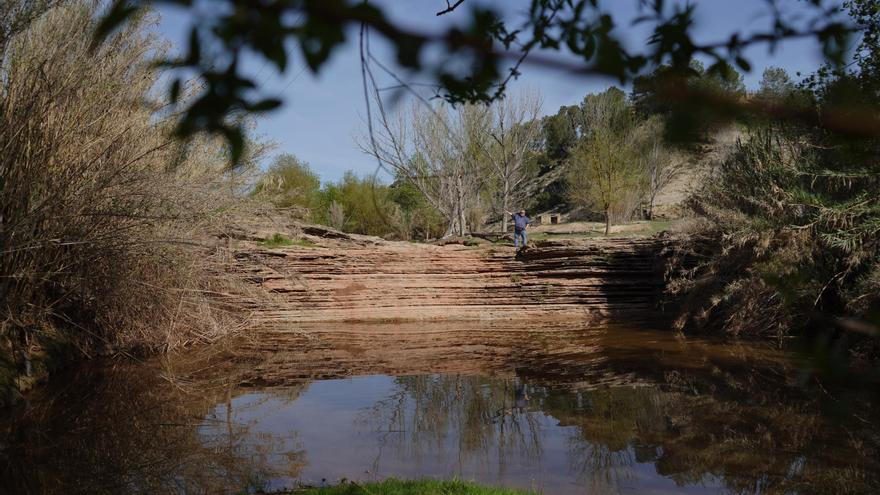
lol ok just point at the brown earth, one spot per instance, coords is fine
(343, 278)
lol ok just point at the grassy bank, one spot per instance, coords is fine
(596, 230)
(413, 487)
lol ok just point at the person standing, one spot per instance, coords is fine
(520, 224)
(520, 395)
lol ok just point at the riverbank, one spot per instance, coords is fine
(413, 487)
(279, 273)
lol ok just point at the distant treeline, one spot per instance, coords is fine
(362, 205)
(459, 169)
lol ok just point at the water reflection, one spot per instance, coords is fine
(567, 441)
(123, 429)
(560, 411)
(467, 424)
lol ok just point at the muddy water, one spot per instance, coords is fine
(553, 407)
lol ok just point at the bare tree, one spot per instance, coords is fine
(513, 133)
(437, 150)
(336, 215)
(661, 165)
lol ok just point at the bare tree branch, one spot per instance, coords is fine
(450, 7)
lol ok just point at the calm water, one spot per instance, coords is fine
(555, 409)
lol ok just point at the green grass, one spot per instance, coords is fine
(415, 487)
(278, 240)
(304, 243)
(656, 226)
(646, 229)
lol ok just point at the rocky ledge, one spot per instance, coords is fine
(369, 280)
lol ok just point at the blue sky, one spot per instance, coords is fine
(323, 113)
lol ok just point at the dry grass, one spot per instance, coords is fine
(99, 236)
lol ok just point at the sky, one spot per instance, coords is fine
(323, 113)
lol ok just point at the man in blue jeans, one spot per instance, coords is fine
(520, 224)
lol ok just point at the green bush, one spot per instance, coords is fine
(276, 240)
(289, 183)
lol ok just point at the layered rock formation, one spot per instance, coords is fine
(342, 280)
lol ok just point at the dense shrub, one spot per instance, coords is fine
(290, 183)
(795, 210)
(97, 231)
(797, 216)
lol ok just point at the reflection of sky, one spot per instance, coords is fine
(340, 427)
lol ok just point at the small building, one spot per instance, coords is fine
(551, 218)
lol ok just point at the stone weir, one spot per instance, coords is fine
(339, 281)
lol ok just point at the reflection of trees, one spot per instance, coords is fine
(228, 431)
(600, 448)
(744, 422)
(736, 415)
(476, 416)
(125, 430)
(751, 431)
(759, 432)
(735, 418)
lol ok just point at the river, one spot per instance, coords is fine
(551, 406)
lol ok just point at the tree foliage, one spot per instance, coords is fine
(776, 83)
(604, 171)
(289, 182)
(688, 120)
(492, 48)
(440, 151)
(364, 206)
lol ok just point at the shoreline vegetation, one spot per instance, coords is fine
(407, 487)
(106, 218)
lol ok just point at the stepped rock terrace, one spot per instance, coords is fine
(395, 281)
